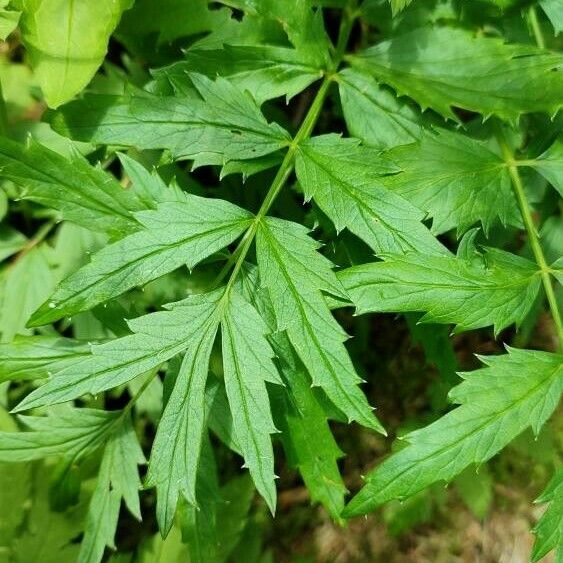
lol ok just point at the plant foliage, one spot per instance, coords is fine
(156, 313)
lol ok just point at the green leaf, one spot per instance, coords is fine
(226, 124)
(442, 67)
(247, 364)
(11, 241)
(169, 19)
(344, 179)
(176, 449)
(398, 5)
(85, 194)
(458, 181)
(514, 391)
(48, 535)
(8, 20)
(374, 114)
(549, 529)
(67, 42)
(174, 234)
(35, 357)
(24, 284)
(295, 275)
(266, 71)
(554, 11)
(158, 550)
(497, 289)
(306, 436)
(550, 165)
(157, 337)
(302, 24)
(476, 490)
(15, 490)
(118, 479)
(72, 433)
(232, 518)
(199, 523)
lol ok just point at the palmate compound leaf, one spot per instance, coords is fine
(457, 180)
(344, 180)
(175, 233)
(549, 529)
(296, 275)
(496, 289)
(189, 324)
(266, 71)
(247, 365)
(84, 194)
(222, 125)
(74, 434)
(514, 391)
(441, 67)
(374, 114)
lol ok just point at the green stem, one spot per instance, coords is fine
(536, 29)
(288, 163)
(39, 237)
(138, 394)
(531, 231)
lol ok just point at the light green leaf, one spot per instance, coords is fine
(35, 357)
(176, 449)
(295, 275)
(549, 529)
(175, 233)
(118, 478)
(15, 489)
(344, 179)
(157, 337)
(374, 114)
(48, 535)
(475, 487)
(71, 433)
(398, 5)
(458, 181)
(443, 67)
(550, 165)
(85, 194)
(24, 284)
(554, 11)
(247, 364)
(158, 550)
(266, 71)
(513, 392)
(11, 241)
(8, 20)
(67, 41)
(498, 289)
(226, 124)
